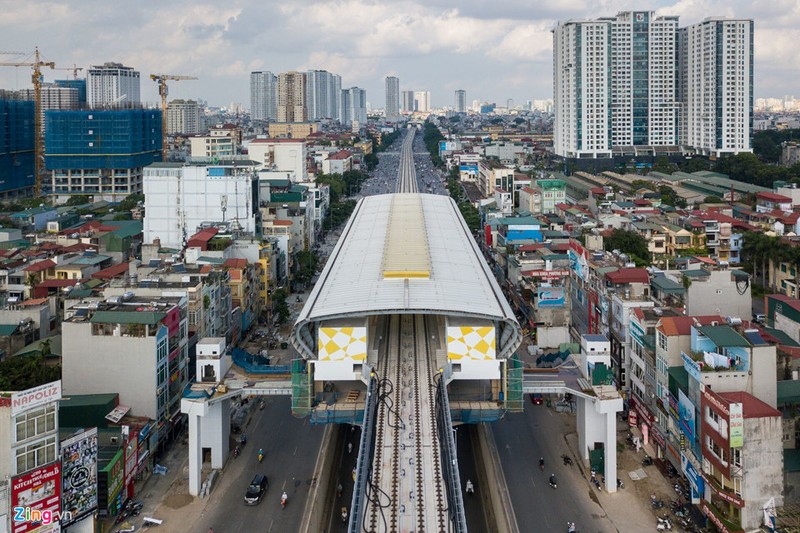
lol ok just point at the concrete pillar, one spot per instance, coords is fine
(610, 444)
(195, 454)
(582, 426)
(216, 435)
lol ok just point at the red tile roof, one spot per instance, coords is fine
(114, 271)
(682, 325)
(40, 266)
(340, 155)
(54, 283)
(281, 222)
(236, 263)
(773, 197)
(752, 407)
(628, 275)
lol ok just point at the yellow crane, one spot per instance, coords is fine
(36, 65)
(162, 79)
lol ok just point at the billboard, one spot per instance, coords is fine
(736, 420)
(471, 170)
(550, 296)
(79, 475)
(342, 343)
(471, 342)
(36, 498)
(448, 146)
(687, 418)
(35, 397)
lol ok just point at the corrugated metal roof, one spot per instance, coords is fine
(723, 336)
(127, 317)
(460, 282)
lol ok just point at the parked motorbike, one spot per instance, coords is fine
(236, 452)
(567, 460)
(647, 461)
(620, 484)
(656, 503)
(344, 515)
(663, 524)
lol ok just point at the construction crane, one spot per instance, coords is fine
(38, 133)
(74, 68)
(161, 79)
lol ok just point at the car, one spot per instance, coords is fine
(256, 490)
(537, 399)
(759, 318)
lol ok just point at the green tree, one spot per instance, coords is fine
(664, 165)
(713, 200)
(630, 243)
(280, 308)
(306, 266)
(79, 199)
(23, 372)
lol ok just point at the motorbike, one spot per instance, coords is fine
(260, 456)
(663, 524)
(236, 452)
(243, 440)
(541, 465)
(470, 489)
(647, 461)
(261, 405)
(553, 482)
(284, 500)
(571, 527)
(344, 515)
(620, 484)
(567, 460)
(127, 527)
(655, 503)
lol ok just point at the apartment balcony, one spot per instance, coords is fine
(722, 492)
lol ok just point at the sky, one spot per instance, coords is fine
(494, 50)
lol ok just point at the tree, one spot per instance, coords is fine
(713, 200)
(23, 372)
(306, 262)
(664, 165)
(79, 199)
(280, 308)
(670, 197)
(630, 243)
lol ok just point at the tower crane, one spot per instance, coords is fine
(74, 68)
(162, 79)
(36, 77)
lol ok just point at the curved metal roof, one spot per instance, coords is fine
(365, 275)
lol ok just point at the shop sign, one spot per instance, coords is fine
(724, 495)
(691, 367)
(658, 437)
(736, 423)
(38, 490)
(643, 412)
(633, 418)
(716, 520)
(35, 397)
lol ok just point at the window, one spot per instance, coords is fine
(36, 454)
(35, 423)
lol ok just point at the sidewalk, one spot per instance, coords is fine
(628, 509)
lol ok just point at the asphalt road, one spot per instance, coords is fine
(521, 440)
(467, 470)
(290, 448)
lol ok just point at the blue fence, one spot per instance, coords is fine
(256, 364)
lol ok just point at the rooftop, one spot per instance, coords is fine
(752, 407)
(628, 275)
(723, 336)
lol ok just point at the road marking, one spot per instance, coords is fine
(284, 485)
(295, 451)
(271, 522)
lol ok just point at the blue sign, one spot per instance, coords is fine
(469, 169)
(696, 482)
(550, 296)
(687, 416)
(691, 367)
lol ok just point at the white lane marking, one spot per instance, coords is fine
(295, 451)
(284, 485)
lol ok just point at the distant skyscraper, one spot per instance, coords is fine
(392, 97)
(407, 101)
(422, 101)
(718, 57)
(354, 106)
(292, 97)
(322, 94)
(54, 98)
(112, 84)
(185, 116)
(263, 96)
(78, 85)
(461, 101)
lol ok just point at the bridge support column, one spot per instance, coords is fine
(195, 454)
(597, 426)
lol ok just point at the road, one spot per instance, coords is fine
(468, 470)
(521, 440)
(290, 446)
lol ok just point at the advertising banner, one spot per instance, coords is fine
(35, 397)
(472, 170)
(36, 498)
(79, 475)
(546, 274)
(736, 425)
(550, 296)
(687, 416)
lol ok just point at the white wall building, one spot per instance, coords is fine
(179, 198)
(322, 94)
(354, 106)
(422, 101)
(407, 101)
(719, 85)
(263, 96)
(107, 84)
(460, 101)
(285, 155)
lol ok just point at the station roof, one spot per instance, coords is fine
(443, 272)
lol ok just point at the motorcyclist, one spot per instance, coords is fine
(243, 439)
(541, 463)
(344, 514)
(470, 489)
(570, 527)
(553, 480)
(284, 499)
(260, 454)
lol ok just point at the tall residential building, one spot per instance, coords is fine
(407, 102)
(263, 96)
(422, 101)
(112, 84)
(79, 85)
(719, 85)
(53, 98)
(16, 146)
(354, 106)
(322, 94)
(615, 83)
(292, 97)
(636, 79)
(185, 116)
(461, 101)
(100, 152)
(392, 97)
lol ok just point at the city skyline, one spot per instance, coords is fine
(424, 44)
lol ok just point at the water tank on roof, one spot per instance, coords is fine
(114, 300)
(734, 320)
(127, 297)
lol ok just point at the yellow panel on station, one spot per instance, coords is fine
(342, 343)
(471, 342)
(406, 253)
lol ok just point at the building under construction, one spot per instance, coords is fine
(17, 153)
(100, 152)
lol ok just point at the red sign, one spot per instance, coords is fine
(644, 412)
(38, 494)
(657, 437)
(727, 496)
(709, 512)
(546, 274)
(632, 418)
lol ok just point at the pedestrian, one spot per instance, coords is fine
(349, 447)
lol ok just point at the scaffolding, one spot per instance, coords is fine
(302, 388)
(514, 400)
(17, 154)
